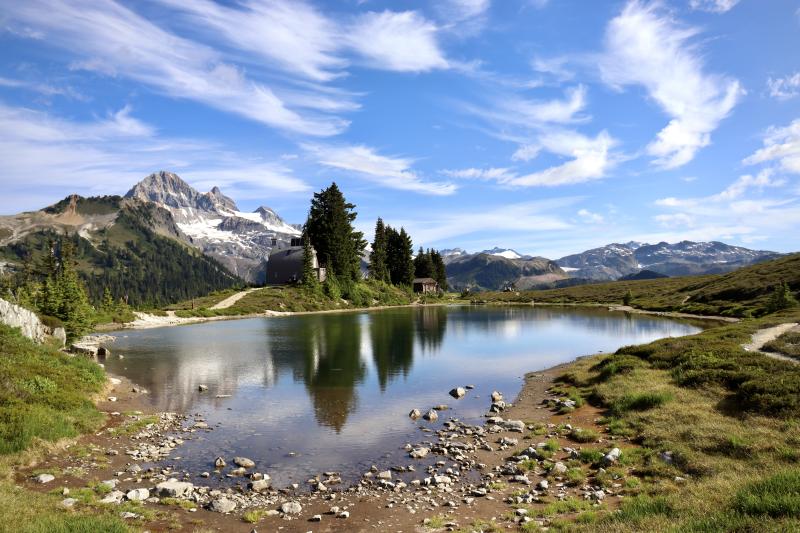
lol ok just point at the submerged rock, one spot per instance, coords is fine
(458, 392)
(244, 462)
(431, 416)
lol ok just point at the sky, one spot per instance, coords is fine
(546, 126)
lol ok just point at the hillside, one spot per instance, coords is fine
(494, 272)
(133, 248)
(736, 293)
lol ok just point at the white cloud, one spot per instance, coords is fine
(511, 111)
(645, 46)
(590, 159)
(45, 89)
(713, 6)
(495, 174)
(675, 220)
(54, 156)
(781, 146)
(526, 152)
(784, 88)
(459, 10)
(112, 39)
(392, 172)
(401, 41)
(589, 216)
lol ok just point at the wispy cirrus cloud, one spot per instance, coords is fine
(364, 161)
(713, 6)
(784, 88)
(645, 46)
(781, 147)
(54, 156)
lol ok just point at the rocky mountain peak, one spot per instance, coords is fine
(166, 188)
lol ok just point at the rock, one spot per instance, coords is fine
(60, 335)
(238, 472)
(385, 475)
(458, 392)
(419, 453)
(598, 495)
(200, 425)
(18, 317)
(138, 495)
(44, 478)
(440, 407)
(442, 480)
(202, 388)
(316, 518)
(291, 508)
(115, 381)
(222, 505)
(219, 462)
(414, 414)
(174, 488)
(514, 425)
(114, 497)
(321, 487)
(128, 515)
(431, 416)
(543, 484)
(112, 398)
(244, 462)
(260, 485)
(559, 468)
(612, 456)
(496, 396)
(666, 457)
(344, 514)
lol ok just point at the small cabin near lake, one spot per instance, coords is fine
(285, 265)
(425, 285)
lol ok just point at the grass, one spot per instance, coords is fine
(44, 394)
(298, 299)
(584, 435)
(741, 293)
(787, 344)
(776, 496)
(639, 402)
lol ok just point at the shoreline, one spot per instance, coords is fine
(149, 321)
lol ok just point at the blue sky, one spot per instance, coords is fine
(547, 126)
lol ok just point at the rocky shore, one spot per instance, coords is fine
(543, 449)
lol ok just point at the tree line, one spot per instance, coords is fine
(329, 230)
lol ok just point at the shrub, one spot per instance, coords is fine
(639, 402)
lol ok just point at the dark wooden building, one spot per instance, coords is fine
(425, 285)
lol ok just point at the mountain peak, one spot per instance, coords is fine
(166, 188)
(508, 253)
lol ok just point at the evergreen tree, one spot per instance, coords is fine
(400, 256)
(439, 270)
(781, 298)
(63, 295)
(330, 227)
(378, 259)
(310, 278)
(108, 304)
(423, 264)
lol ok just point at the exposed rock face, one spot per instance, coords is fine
(212, 221)
(27, 321)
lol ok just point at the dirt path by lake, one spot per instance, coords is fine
(763, 336)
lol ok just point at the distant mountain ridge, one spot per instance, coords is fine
(684, 258)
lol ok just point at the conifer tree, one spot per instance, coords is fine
(378, 259)
(439, 270)
(330, 228)
(400, 256)
(310, 278)
(423, 264)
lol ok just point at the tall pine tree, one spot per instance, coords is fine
(378, 267)
(440, 272)
(423, 264)
(400, 256)
(330, 228)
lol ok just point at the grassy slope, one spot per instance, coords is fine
(730, 418)
(44, 396)
(288, 298)
(736, 293)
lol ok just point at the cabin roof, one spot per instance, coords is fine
(425, 281)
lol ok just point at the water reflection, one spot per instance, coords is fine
(336, 387)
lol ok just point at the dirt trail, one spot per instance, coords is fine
(763, 336)
(230, 300)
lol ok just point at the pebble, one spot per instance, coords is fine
(291, 508)
(44, 478)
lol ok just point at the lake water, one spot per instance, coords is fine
(313, 393)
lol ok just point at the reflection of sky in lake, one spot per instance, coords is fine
(336, 388)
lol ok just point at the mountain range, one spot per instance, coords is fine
(208, 235)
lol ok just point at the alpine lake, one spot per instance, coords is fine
(305, 394)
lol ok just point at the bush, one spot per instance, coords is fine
(639, 402)
(51, 322)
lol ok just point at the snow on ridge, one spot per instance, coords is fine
(508, 254)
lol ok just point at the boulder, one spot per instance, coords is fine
(260, 485)
(496, 396)
(612, 456)
(559, 468)
(431, 416)
(44, 478)
(114, 497)
(219, 462)
(419, 453)
(174, 488)
(414, 414)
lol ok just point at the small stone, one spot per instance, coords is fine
(219, 462)
(112, 398)
(260, 485)
(138, 495)
(560, 468)
(44, 478)
(114, 497)
(344, 514)
(244, 462)
(458, 392)
(414, 414)
(385, 475)
(612, 456)
(316, 518)
(222, 505)
(174, 488)
(68, 502)
(291, 508)
(202, 388)
(431, 416)
(128, 515)
(419, 453)
(543, 484)
(496, 396)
